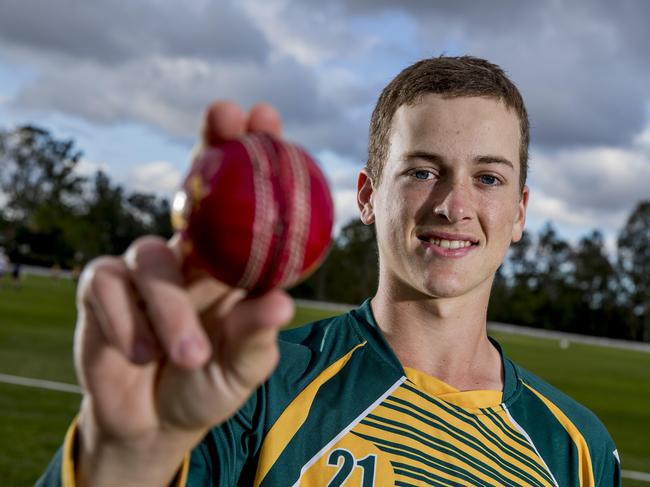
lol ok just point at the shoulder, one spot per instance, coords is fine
(316, 345)
(553, 410)
(561, 404)
(314, 335)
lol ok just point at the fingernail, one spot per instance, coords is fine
(190, 351)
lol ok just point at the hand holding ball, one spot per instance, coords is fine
(255, 212)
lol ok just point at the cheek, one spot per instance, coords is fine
(393, 210)
(393, 223)
(499, 219)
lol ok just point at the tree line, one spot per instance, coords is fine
(53, 215)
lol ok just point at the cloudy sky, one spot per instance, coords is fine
(128, 79)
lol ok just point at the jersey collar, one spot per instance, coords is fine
(371, 332)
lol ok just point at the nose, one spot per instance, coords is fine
(453, 202)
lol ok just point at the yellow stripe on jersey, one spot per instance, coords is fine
(465, 399)
(67, 463)
(184, 472)
(586, 475)
(425, 437)
(428, 383)
(292, 418)
(415, 438)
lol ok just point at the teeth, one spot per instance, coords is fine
(450, 244)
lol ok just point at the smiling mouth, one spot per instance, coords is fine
(451, 244)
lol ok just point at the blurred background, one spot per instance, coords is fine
(100, 104)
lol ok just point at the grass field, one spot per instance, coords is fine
(36, 325)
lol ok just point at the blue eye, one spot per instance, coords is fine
(422, 174)
(489, 180)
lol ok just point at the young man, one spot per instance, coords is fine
(406, 390)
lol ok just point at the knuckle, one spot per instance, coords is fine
(95, 273)
(147, 252)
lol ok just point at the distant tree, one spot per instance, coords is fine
(37, 171)
(112, 225)
(41, 189)
(152, 212)
(112, 218)
(538, 286)
(499, 297)
(596, 279)
(553, 261)
(517, 296)
(349, 273)
(594, 274)
(353, 269)
(521, 261)
(634, 263)
(559, 298)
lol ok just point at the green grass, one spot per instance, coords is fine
(36, 326)
(37, 322)
(32, 425)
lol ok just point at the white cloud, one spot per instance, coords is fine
(341, 174)
(171, 93)
(160, 177)
(310, 35)
(543, 207)
(345, 205)
(603, 180)
(581, 189)
(642, 141)
(341, 171)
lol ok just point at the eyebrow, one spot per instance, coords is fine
(494, 160)
(420, 154)
(433, 157)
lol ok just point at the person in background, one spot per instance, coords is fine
(16, 274)
(4, 262)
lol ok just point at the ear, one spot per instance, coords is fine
(518, 226)
(365, 190)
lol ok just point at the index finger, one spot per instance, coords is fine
(265, 118)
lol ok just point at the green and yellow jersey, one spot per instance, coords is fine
(340, 410)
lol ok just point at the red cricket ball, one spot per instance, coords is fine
(255, 212)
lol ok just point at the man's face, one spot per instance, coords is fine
(449, 201)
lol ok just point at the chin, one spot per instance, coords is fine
(444, 293)
(446, 289)
(452, 288)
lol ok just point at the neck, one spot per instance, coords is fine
(442, 337)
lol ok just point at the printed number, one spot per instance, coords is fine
(345, 469)
(367, 465)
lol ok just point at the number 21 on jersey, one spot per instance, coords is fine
(345, 463)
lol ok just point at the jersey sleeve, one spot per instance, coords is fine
(609, 472)
(60, 471)
(228, 453)
(571, 439)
